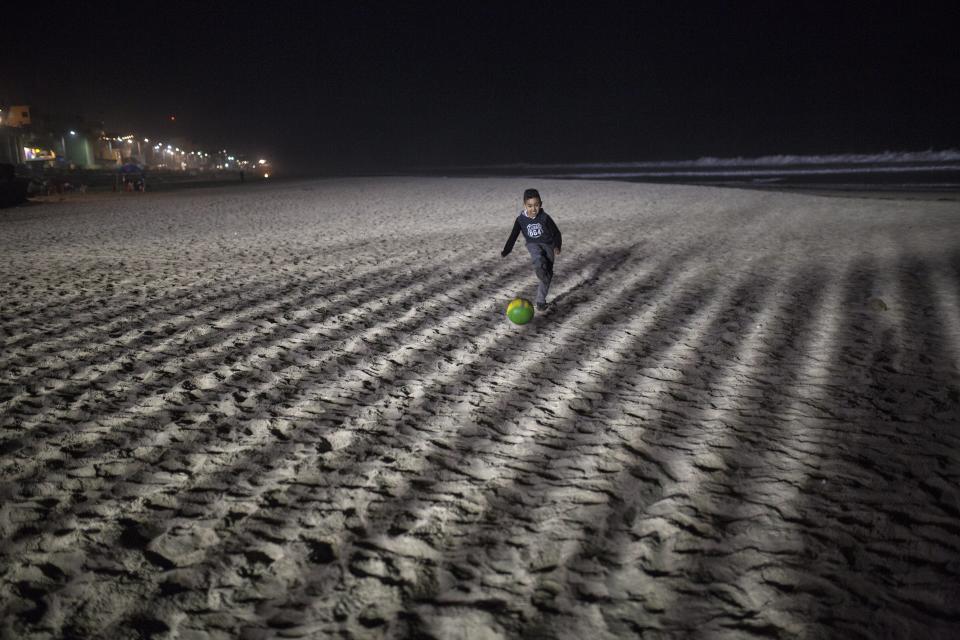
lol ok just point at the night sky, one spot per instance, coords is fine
(378, 86)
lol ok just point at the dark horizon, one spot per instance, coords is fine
(363, 86)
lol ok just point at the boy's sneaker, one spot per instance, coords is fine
(542, 306)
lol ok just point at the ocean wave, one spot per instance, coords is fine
(757, 173)
(893, 158)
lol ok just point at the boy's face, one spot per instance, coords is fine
(532, 206)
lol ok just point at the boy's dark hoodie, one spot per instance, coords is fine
(541, 229)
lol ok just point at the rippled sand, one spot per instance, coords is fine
(297, 410)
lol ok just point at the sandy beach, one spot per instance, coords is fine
(297, 410)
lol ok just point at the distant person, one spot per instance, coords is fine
(543, 241)
(242, 177)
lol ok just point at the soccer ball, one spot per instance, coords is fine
(520, 311)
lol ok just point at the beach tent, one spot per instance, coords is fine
(132, 177)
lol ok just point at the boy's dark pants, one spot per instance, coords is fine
(542, 257)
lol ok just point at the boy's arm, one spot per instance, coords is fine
(507, 248)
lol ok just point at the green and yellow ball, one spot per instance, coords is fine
(520, 311)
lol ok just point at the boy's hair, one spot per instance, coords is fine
(531, 193)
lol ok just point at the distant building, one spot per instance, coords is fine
(43, 142)
(11, 138)
(38, 142)
(9, 145)
(17, 116)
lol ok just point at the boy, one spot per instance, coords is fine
(543, 241)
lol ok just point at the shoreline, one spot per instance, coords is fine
(873, 192)
(856, 192)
